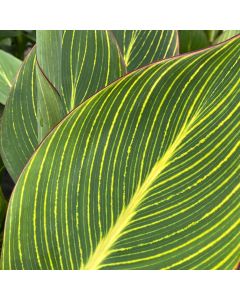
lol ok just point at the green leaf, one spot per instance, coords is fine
(50, 107)
(49, 53)
(71, 67)
(142, 47)
(227, 34)
(79, 63)
(9, 66)
(3, 202)
(3, 209)
(1, 240)
(1, 111)
(191, 40)
(212, 34)
(19, 131)
(23, 125)
(143, 175)
(9, 33)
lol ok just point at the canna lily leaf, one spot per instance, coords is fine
(86, 62)
(19, 120)
(212, 34)
(50, 108)
(22, 124)
(9, 66)
(3, 202)
(3, 206)
(143, 175)
(227, 34)
(79, 63)
(49, 53)
(142, 47)
(3, 209)
(191, 40)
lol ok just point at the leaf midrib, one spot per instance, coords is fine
(106, 243)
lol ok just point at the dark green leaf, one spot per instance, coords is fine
(73, 66)
(9, 66)
(142, 47)
(191, 40)
(79, 63)
(143, 175)
(227, 34)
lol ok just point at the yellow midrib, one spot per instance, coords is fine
(104, 247)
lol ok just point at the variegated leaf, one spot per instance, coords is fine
(142, 47)
(226, 34)
(79, 62)
(143, 175)
(9, 66)
(191, 40)
(71, 66)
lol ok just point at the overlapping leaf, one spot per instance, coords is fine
(3, 209)
(71, 66)
(79, 63)
(19, 120)
(9, 66)
(212, 34)
(22, 121)
(50, 107)
(3, 206)
(144, 175)
(225, 35)
(142, 47)
(190, 40)
(3, 202)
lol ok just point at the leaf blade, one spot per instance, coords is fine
(225, 35)
(143, 47)
(170, 168)
(86, 61)
(70, 66)
(9, 66)
(15, 117)
(191, 40)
